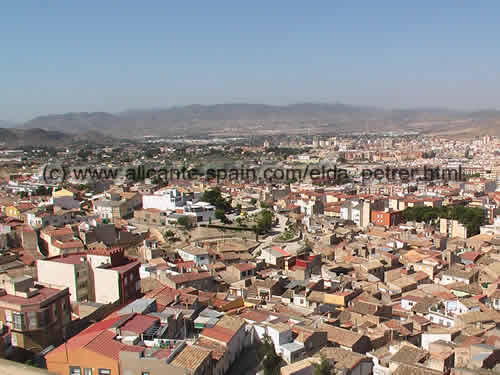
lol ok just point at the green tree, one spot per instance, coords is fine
(324, 367)
(220, 215)
(215, 198)
(264, 221)
(271, 362)
(184, 221)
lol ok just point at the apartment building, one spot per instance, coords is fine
(117, 205)
(36, 315)
(100, 275)
(452, 228)
(386, 218)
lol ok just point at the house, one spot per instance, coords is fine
(67, 271)
(226, 339)
(456, 275)
(19, 210)
(348, 362)
(240, 271)
(197, 254)
(495, 299)
(43, 218)
(386, 218)
(302, 367)
(164, 200)
(275, 256)
(122, 344)
(37, 316)
(115, 277)
(312, 339)
(198, 280)
(61, 241)
(346, 339)
(117, 205)
(150, 216)
(357, 211)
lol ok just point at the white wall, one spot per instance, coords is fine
(107, 285)
(57, 274)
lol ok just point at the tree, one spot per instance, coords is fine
(215, 198)
(220, 215)
(324, 367)
(271, 361)
(184, 222)
(264, 221)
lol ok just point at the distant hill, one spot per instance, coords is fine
(245, 119)
(6, 124)
(41, 137)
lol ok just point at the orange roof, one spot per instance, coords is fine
(218, 333)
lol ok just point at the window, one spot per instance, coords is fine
(87, 371)
(33, 319)
(104, 371)
(43, 318)
(18, 321)
(13, 339)
(73, 370)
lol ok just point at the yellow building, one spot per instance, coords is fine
(62, 193)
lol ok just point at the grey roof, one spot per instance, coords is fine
(292, 346)
(209, 313)
(139, 306)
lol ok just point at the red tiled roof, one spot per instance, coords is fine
(139, 323)
(126, 267)
(470, 255)
(218, 333)
(43, 295)
(87, 335)
(106, 345)
(189, 276)
(281, 251)
(256, 316)
(69, 258)
(242, 267)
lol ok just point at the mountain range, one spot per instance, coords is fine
(247, 119)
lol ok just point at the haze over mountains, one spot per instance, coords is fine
(247, 119)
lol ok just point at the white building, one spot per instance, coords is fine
(356, 211)
(164, 200)
(196, 254)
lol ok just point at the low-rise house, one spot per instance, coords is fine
(302, 367)
(198, 280)
(275, 256)
(150, 216)
(240, 271)
(456, 275)
(228, 335)
(348, 362)
(346, 339)
(119, 345)
(61, 241)
(197, 254)
(117, 205)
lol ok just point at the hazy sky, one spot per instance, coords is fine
(65, 56)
